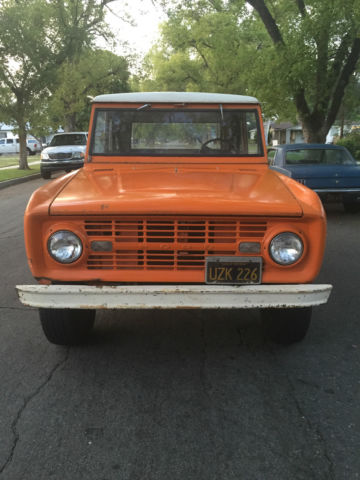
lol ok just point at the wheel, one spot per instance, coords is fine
(45, 175)
(352, 207)
(286, 325)
(66, 326)
(30, 152)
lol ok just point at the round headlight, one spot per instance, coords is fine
(286, 248)
(64, 246)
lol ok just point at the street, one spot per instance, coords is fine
(180, 395)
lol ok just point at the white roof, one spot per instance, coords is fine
(173, 97)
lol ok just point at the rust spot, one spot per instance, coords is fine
(44, 280)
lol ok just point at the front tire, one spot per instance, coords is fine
(286, 325)
(66, 326)
(45, 175)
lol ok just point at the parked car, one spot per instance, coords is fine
(175, 208)
(66, 152)
(329, 170)
(33, 145)
(12, 145)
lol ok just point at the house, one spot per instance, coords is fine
(284, 132)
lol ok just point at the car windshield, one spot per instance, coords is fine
(167, 132)
(68, 139)
(318, 156)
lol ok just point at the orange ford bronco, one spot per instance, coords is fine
(175, 207)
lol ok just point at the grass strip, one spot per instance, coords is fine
(11, 173)
(9, 160)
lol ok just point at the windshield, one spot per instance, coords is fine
(179, 132)
(68, 139)
(318, 156)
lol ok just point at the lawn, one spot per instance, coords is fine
(8, 160)
(10, 173)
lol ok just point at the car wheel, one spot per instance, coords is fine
(66, 326)
(286, 325)
(45, 175)
(352, 207)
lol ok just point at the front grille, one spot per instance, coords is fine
(158, 244)
(60, 156)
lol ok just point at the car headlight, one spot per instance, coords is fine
(286, 248)
(78, 154)
(64, 246)
(44, 156)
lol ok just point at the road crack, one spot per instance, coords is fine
(27, 400)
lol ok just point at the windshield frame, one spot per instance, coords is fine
(220, 110)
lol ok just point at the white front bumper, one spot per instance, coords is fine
(173, 296)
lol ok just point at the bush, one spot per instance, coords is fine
(352, 143)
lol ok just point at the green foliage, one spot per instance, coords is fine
(201, 50)
(36, 37)
(352, 143)
(97, 71)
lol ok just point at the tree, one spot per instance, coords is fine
(96, 71)
(297, 56)
(326, 33)
(36, 36)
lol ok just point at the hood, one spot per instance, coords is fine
(65, 149)
(172, 190)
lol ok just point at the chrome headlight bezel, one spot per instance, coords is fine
(61, 240)
(286, 248)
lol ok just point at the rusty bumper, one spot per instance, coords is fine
(173, 296)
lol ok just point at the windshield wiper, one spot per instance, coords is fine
(144, 107)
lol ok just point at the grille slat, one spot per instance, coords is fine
(175, 244)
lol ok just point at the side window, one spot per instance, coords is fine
(9, 141)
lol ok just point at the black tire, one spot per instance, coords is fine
(66, 326)
(352, 207)
(45, 175)
(286, 325)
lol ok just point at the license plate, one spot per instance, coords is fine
(233, 270)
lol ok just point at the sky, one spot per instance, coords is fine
(141, 36)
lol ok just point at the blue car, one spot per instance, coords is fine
(330, 170)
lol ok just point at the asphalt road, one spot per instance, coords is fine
(180, 395)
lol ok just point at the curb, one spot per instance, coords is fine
(15, 181)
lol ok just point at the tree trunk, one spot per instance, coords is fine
(313, 135)
(23, 163)
(70, 123)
